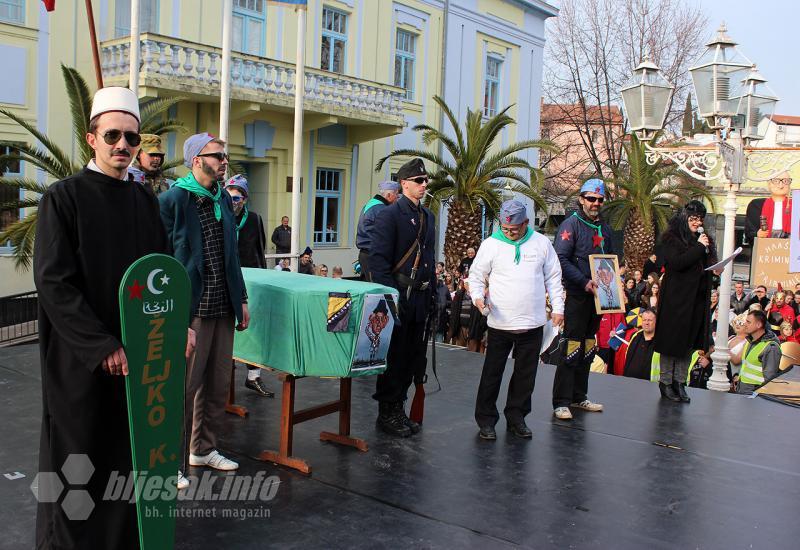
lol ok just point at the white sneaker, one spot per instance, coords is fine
(183, 482)
(587, 405)
(213, 460)
(562, 413)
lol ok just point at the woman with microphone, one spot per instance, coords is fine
(683, 320)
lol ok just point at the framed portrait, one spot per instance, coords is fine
(610, 297)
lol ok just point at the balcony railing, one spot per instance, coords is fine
(188, 67)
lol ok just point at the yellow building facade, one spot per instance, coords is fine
(372, 68)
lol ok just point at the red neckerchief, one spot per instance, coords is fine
(768, 211)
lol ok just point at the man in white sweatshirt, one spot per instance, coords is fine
(521, 267)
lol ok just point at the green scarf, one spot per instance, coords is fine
(241, 223)
(500, 236)
(191, 185)
(597, 228)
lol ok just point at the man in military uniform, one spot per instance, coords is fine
(388, 192)
(401, 256)
(578, 236)
(149, 161)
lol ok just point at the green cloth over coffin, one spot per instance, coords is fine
(289, 328)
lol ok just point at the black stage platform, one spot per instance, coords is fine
(722, 472)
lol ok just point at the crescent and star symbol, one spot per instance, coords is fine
(153, 274)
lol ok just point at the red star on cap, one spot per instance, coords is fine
(565, 235)
(597, 240)
(135, 290)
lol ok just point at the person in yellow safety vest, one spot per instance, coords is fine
(655, 366)
(761, 356)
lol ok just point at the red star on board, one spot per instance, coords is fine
(135, 290)
(597, 240)
(565, 235)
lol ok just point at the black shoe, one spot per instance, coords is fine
(662, 388)
(487, 432)
(400, 410)
(680, 390)
(669, 392)
(258, 387)
(391, 422)
(520, 429)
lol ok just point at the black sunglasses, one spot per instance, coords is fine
(594, 199)
(219, 156)
(113, 136)
(420, 180)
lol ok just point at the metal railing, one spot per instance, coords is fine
(19, 318)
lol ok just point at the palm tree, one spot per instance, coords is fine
(474, 180)
(645, 197)
(57, 164)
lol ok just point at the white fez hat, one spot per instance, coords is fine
(115, 98)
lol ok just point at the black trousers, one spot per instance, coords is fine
(527, 346)
(571, 383)
(405, 356)
(363, 259)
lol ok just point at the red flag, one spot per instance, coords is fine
(49, 5)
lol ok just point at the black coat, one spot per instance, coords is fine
(397, 228)
(682, 323)
(252, 241)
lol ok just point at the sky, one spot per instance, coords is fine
(767, 32)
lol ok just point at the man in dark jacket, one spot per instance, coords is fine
(407, 237)
(684, 316)
(252, 240)
(740, 301)
(201, 232)
(580, 235)
(387, 194)
(282, 238)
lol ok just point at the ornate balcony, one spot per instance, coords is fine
(178, 67)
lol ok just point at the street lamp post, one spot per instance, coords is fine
(731, 94)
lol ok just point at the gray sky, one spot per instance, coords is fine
(767, 32)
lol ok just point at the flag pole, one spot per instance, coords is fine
(297, 160)
(133, 75)
(225, 76)
(95, 52)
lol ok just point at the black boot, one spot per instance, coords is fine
(669, 392)
(401, 411)
(391, 422)
(680, 390)
(662, 387)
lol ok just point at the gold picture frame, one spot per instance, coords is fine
(610, 297)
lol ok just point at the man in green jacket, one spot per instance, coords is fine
(201, 231)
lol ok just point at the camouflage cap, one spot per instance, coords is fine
(151, 144)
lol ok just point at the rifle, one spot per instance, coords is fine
(417, 411)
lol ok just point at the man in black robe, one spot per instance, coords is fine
(91, 227)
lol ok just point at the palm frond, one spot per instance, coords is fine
(61, 159)
(21, 235)
(80, 102)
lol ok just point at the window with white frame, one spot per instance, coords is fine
(327, 203)
(12, 11)
(249, 22)
(9, 169)
(334, 40)
(404, 60)
(148, 17)
(491, 92)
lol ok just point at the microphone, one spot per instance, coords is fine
(700, 231)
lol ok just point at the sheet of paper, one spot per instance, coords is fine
(726, 261)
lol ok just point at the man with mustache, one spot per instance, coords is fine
(91, 227)
(201, 230)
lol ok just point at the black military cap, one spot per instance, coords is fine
(381, 308)
(412, 169)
